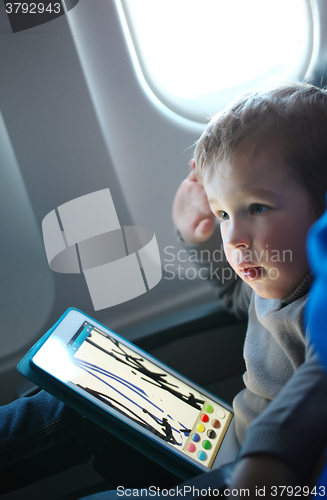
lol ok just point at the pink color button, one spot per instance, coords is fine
(191, 447)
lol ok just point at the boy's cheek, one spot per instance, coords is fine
(233, 260)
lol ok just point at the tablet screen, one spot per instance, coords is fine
(122, 379)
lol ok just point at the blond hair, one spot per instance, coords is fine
(293, 116)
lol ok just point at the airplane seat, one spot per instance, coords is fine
(316, 308)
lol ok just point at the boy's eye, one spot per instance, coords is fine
(222, 215)
(258, 209)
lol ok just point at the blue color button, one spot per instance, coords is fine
(202, 455)
(195, 437)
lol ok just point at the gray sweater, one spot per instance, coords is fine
(274, 348)
(285, 399)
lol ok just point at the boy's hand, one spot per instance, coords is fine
(265, 476)
(191, 212)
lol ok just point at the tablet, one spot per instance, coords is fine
(120, 386)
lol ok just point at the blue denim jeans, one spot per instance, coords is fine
(41, 436)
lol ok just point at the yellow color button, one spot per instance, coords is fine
(200, 428)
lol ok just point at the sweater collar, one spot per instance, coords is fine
(299, 291)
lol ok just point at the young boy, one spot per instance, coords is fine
(261, 168)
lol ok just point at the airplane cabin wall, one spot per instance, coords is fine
(78, 118)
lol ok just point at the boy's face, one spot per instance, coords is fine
(264, 217)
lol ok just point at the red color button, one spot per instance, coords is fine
(204, 417)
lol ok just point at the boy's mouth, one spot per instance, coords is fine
(252, 273)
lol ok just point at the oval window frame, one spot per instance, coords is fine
(200, 108)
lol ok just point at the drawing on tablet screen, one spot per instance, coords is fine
(124, 380)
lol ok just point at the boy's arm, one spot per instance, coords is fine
(289, 437)
(269, 477)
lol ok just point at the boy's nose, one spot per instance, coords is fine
(237, 236)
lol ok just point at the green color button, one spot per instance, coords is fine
(206, 444)
(208, 408)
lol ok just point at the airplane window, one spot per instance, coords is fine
(197, 55)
